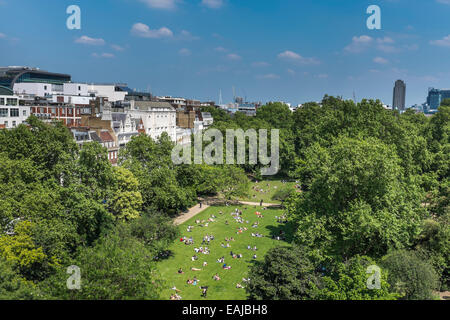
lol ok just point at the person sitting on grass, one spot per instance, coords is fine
(216, 277)
(180, 271)
(205, 264)
(255, 257)
(225, 267)
(239, 286)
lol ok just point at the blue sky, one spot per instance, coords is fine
(290, 50)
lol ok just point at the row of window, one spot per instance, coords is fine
(9, 101)
(14, 124)
(13, 112)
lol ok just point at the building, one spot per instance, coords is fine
(12, 112)
(111, 92)
(124, 126)
(399, 96)
(435, 98)
(10, 76)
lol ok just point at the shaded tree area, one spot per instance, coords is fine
(375, 184)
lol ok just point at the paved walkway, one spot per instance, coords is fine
(192, 212)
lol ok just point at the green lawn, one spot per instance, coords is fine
(225, 289)
(268, 191)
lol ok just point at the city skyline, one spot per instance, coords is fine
(268, 51)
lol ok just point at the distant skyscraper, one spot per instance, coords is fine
(399, 96)
(436, 96)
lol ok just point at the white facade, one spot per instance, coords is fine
(38, 89)
(11, 113)
(157, 117)
(76, 89)
(107, 91)
(69, 99)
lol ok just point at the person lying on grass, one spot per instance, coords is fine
(239, 286)
(195, 269)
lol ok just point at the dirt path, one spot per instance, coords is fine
(192, 212)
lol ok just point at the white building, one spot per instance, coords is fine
(157, 117)
(112, 92)
(11, 113)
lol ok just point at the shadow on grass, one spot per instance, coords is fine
(163, 255)
(287, 228)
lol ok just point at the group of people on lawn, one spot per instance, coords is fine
(237, 215)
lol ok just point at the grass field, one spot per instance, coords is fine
(224, 289)
(269, 188)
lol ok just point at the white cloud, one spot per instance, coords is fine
(295, 57)
(184, 52)
(260, 64)
(117, 47)
(269, 76)
(103, 55)
(362, 43)
(359, 44)
(213, 4)
(291, 72)
(90, 41)
(220, 49)
(322, 76)
(443, 1)
(160, 4)
(186, 35)
(2, 35)
(233, 56)
(380, 60)
(144, 31)
(444, 42)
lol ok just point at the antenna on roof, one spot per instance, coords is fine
(220, 97)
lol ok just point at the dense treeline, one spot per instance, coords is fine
(63, 205)
(375, 191)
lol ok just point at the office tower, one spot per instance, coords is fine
(399, 95)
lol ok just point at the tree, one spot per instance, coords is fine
(20, 250)
(277, 114)
(409, 275)
(118, 267)
(358, 201)
(348, 281)
(286, 274)
(13, 286)
(126, 202)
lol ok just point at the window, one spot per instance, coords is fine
(3, 112)
(2, 101)
(6, 123)
(14, 112)
(41, 110)
(79, 88)
(11, 102)
(24, 113)
(14, 124)
(45, 87)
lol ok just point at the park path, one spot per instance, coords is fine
(192, 212)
